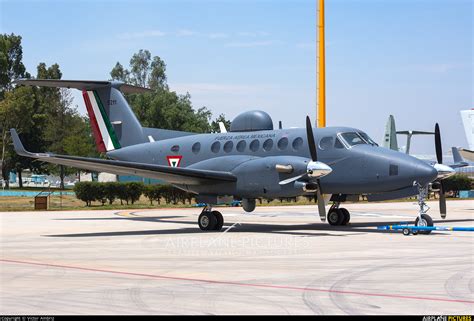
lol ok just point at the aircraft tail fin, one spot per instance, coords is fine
(456, 155)
(113, 122)
(390, 138)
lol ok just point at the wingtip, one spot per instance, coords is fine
(17, 144)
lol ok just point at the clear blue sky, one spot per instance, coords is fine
(412, 59)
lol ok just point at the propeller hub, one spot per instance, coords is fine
(444, 171)
(318, 169)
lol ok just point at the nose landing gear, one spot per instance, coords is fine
(423, 219)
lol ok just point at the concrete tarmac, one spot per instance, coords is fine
(276, 260)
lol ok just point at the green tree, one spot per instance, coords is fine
(161, 108)
(16, 111)
(157, 77)
(79, 141)
(11, 68)
(120, 74)
(140, 66)
(11, 65)
(215, 123)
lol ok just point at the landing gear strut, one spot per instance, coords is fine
(423, 219)
(210, 220)
(338, 216)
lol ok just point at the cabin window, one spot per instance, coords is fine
(338, 143)
(228, 146)
(267, 145)
(297, 143)
(282, 143)
(175, 148)
(196, 148)
(215, 147)
(254, 145)
(326, 143)
(241, 146)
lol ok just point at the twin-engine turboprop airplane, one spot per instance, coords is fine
(251, 160)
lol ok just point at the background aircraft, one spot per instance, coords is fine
(468, 123)
(390, 141)
(251, 160)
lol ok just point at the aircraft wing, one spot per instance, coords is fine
(172, 175)
(467, 154)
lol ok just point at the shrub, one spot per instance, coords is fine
(134, 191)
(111, 191)
(85, 192)
(121, 192)
(153, 193)
(100, 193)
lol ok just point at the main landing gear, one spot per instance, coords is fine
(338, 216)
(210, 220)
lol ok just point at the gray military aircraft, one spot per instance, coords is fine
(251, 160)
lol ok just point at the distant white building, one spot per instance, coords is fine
(103, 177)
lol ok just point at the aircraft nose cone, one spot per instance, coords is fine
(425, 173)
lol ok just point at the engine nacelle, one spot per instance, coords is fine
(260, 177)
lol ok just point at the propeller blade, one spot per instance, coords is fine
(311, 143)
(291, 179)
(439, 150)
(442, 201)
(314, 157)
(321, 204)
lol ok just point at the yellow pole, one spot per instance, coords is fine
(321, 104)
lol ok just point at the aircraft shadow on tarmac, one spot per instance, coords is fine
(309, 229)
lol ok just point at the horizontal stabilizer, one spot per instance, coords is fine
(172, 175)
(82, 84)
(414, 132)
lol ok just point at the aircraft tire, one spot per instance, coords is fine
(220, 220)
(428, 221)
(207, 221)
(347, 216)
(335, 217)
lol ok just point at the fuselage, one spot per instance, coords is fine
(358, 165)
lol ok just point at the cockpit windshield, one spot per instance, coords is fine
(368, 139)
(353, 138)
